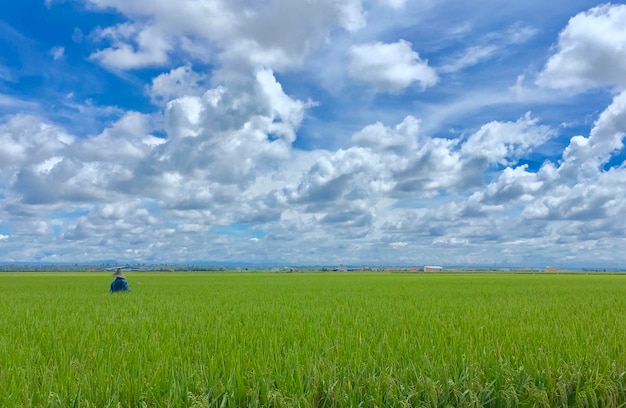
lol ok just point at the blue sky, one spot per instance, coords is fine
(296, 132)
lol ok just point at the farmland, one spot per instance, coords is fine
(313, 339)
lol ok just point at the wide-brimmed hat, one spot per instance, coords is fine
(119, 274)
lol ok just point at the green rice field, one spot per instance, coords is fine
(313, 340)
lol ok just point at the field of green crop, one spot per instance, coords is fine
(313, 340)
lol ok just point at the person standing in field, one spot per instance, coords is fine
(119, 284)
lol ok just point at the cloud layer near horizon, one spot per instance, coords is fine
(319, 133)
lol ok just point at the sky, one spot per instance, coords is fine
(313, 132)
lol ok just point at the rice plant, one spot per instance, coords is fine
(313, 340)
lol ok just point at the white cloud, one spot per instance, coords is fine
(218, 144)
(399, 140)
(57, 53)
(349, 194)
(590, 51)
(390, 67)
(26, 140)
(287, 113)
(343, 175)
(176, 83)
(125, 141)
(470, 57)
(132, 47)
(248, 35)
(600, 200)
(583, 157)
(399, 163)
(608, 132)
(385, 162)
(505, 143)
(488, 47)
(577, 189)
(351, 15)
(518, 34)
(512, 184)
(112, 221)
(248, 51)
(46, 166)
(236, 174)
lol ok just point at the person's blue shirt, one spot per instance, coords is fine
(119, 285)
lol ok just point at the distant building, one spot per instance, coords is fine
(433, 268)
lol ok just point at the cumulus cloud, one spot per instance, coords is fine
(46, 165)
(399, 139)
(132, 46)
(178, 82)
(399, 162)
(578, 188)
(205, 174)
(130, 136)
(218, 144)
(584, 156)
(583, 202)
(390, 67)
(231, 174)
(223, 139)
(343, 175)
(385, 161)
(513, 184)
(590, 51)
(26, 140)
(505, 142)
(244, 34)
(608, 132)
